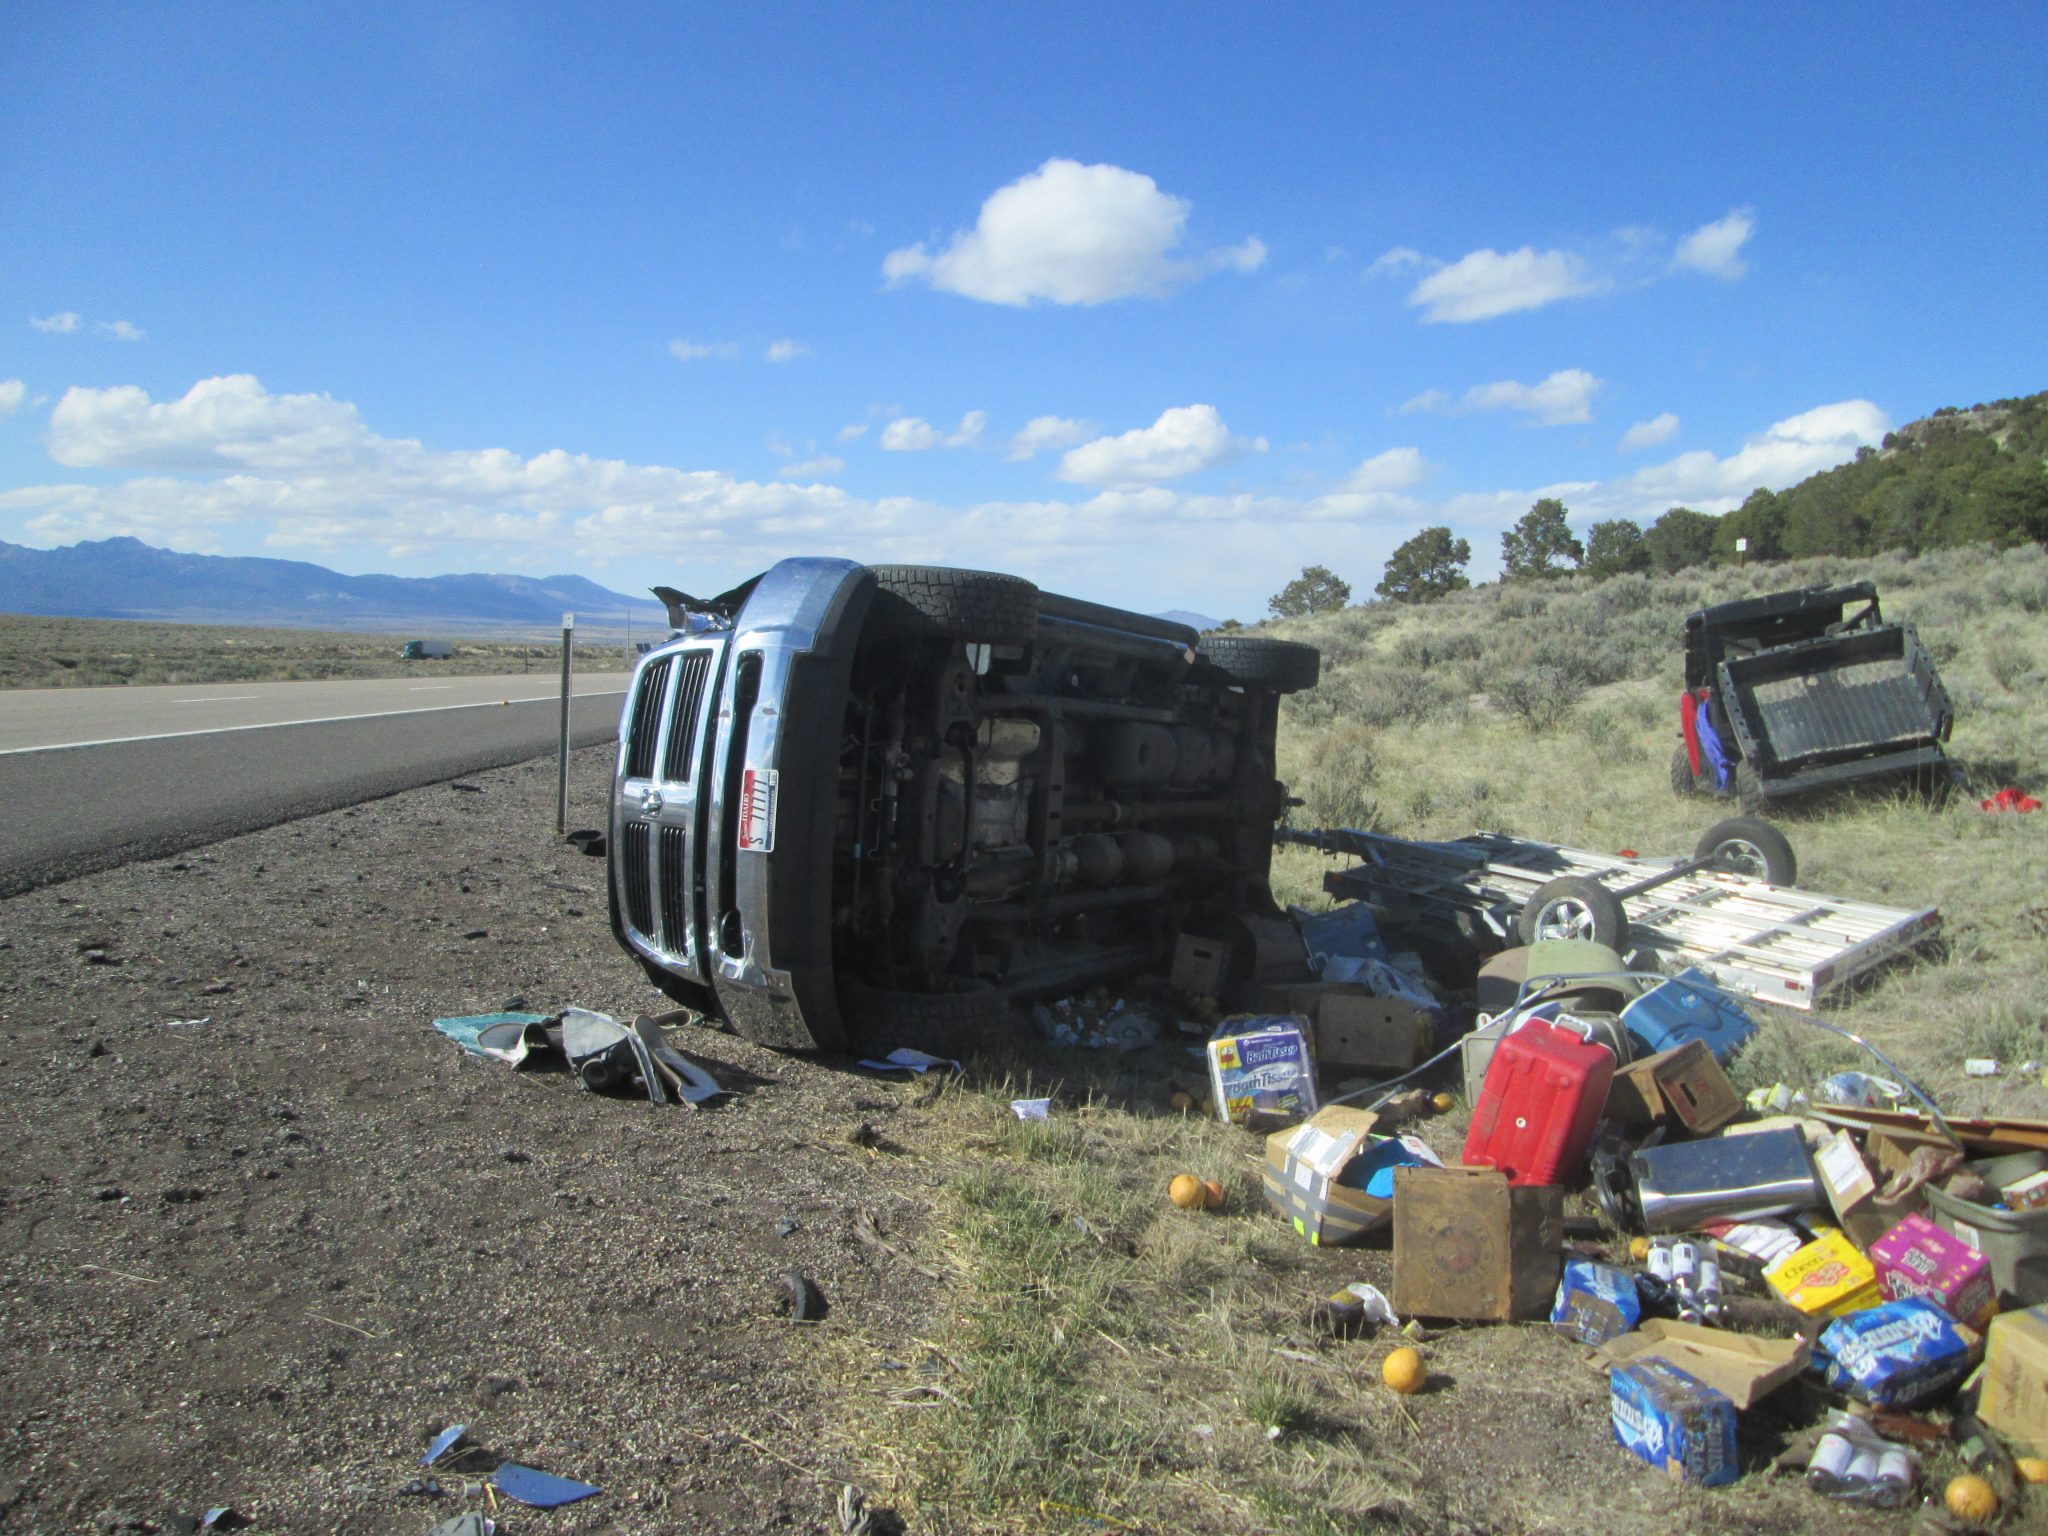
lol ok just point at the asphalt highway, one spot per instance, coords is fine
(91, 778)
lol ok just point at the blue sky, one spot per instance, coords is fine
(1153, 304)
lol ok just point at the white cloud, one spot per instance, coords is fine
(852, 431)
(811, 469)
(1490, 283)
(1783, 454)
(1428, 400)
(1393, 263)
(913, 434)
(1183, 441)
(12, 393)
(1563, 399)
(63, 323)
(683, 350)
(1398, 469)
(1069, 233)
(1716, 248)
(909, 434)
(786, 351)
(1043, 434)
(1647, 434)
(120, 330)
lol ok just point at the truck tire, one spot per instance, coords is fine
(1573, 907)
(939, 602)
(1285, 666)
(1743, 845)
(942, 1023)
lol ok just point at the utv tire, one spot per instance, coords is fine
(1750, 798)
(1285, 666)
(937, 602)
(1743, 845)
(1684, 781)
(1574, 908)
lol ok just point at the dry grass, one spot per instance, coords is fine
(37, 652)
(1116, 1364)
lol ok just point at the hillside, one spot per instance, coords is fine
(127, 579)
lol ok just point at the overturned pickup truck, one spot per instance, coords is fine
(1795, 692)
(913, 795)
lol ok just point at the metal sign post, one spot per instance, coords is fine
(562, 761)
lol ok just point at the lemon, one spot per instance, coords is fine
(1639, 1248)
(1443, 1103)
(1404, 1371)
(1970, 1498)
(1186, 1191)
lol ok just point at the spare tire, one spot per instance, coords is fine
(1285, 666)
(1745, 845)
(939, 602)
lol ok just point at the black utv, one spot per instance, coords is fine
(1806, 690)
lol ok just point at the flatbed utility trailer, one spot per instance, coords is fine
(1772, 943)
(1801, 691)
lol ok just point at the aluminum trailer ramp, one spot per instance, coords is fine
(1770, 943)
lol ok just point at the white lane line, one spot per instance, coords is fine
(430, 687)
(222, 698)
(273, 725)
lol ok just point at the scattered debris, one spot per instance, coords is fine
(803, 1302)
(1031, 1109)
(1097, 1022)
(606, 1056)
(903, 1059)
(2010, 799)
(537, 1489)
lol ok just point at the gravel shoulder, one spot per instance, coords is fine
(258, 1260)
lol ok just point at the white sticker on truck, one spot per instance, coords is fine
(757, 810)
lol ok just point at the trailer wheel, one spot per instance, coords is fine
(1285, 666)
(1744, 845)
(1574, 908)
(980, 607)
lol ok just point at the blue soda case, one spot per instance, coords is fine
(1595, 1302)
(1897, 1354)
(1675, 1421)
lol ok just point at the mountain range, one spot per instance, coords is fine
(128, 579)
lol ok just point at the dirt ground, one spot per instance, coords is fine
(259, 1259)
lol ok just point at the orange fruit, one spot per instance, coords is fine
(1186, 1191)
(1443, 1103)
(1180, 1099)
(1404, 1371)
(1212, 1194)
(1639, 1248)
(2031, 1469)
(1970, 1498)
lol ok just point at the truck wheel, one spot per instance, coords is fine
(1743, 845)
(1285, 666)
(938, 602)
(948, 1023)
(1574, 908)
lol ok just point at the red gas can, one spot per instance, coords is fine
(1541, 1098)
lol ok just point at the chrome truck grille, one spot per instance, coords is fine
(661, 749)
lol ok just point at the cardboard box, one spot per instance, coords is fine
(2029, 1194)
(1744, 1369)
(1331, 1178)
(1684, 1084)
(2013, 1397)
(1673, 1421)
(1261, 1063)
(1199, 965)
(1850, 1187)
(1595, 1302)
(1917, 1258)
(1468, 1244)
(1826, 1277)
(1355, 1030)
